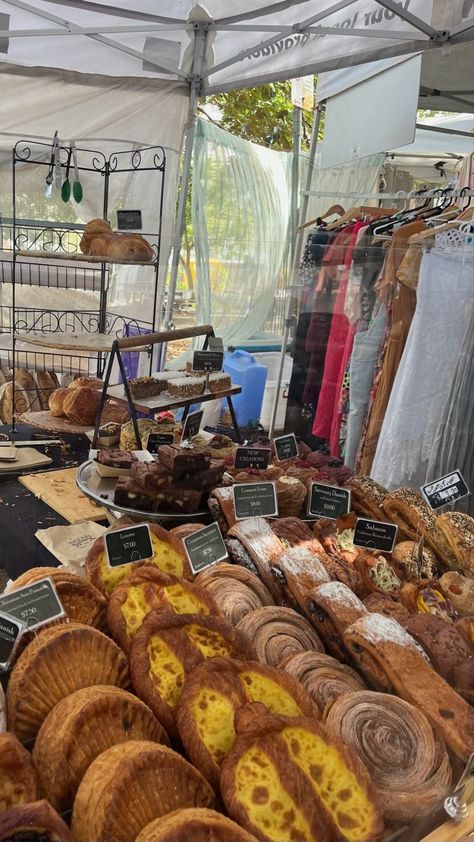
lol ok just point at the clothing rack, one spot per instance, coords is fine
(465, 193)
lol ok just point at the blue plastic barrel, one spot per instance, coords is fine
(246, 372)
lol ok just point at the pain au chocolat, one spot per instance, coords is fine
(166, 650)
(213, 694)
(82, 726)
(194, 825)
(145, 589)
(18, 778)
(57, 662)
(130, 785)
(235, 590)
(167, 557)
(291, 779)
(33, 822)
(82, 601)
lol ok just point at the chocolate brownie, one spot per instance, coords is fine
(183, 460)
(116, 458)
(151, 475)
(130, 494)
(174, 499)
(203, 480)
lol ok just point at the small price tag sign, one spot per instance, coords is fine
(252, 457)
(445, 490)
(205, 547)
(34, 605)
(127, 545)
(129, 220)
(255, 499)
(286, 447)
(328, 501)
(208, 360)
(192, 425)
(10, 633)
(156, 440)
(375, 535)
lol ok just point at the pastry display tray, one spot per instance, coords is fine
(101, 490)
(163, 402)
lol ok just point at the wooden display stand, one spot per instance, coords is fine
(162, 402)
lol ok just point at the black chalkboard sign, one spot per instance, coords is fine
(286, 447)
(156, 440)
(328, 501)
(129, 220)
(208, 360)
(445, 490)
(256, 499)
(10, 633)
(34, 605)
(375, 535)
(252, 457)
(192, 425)
(205, 547)
(126, 545)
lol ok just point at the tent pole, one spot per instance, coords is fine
(199, 49)
(295, 261)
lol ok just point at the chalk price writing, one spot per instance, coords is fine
(28, 612)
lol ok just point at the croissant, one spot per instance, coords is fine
(165, 557)
(291, 779)
(425, 596)
(82, 726)
(130, 785)
(277, 633)
(213, 694)
(457, 540)
(291, 494)
(58, 661)
(82, 602)
(196, 824)
(298, 570)
(415, 519)
(379, 603)
(459, 590)
(147, 588)
(33, 821)
(407, 669)
(18, 778)
(378, 575)
(367, 496)
(235, 590)
(166, 650)
(333, 607)
(323, 677)
(407, 761)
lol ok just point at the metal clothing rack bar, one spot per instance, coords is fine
(402, 194)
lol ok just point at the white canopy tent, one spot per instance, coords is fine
(102, 45)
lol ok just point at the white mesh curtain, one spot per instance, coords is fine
(360, 177)
(241, 210)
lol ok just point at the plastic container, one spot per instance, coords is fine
(271, 361)
(246, 372)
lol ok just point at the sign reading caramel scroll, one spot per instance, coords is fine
(205, 547)
(328, 501)
(127, 545)
(256, 499)
(34, 605)
(445, 490)
(375, 535)
(10, 633)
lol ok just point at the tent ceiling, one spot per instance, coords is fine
(256, 42)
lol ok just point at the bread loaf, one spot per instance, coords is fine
(46, 383)
(86, 382)
(56, 402)
(81, 405)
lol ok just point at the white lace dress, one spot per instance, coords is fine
(444, 310)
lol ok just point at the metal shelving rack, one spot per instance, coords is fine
(57, 244)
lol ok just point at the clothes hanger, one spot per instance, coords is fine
(423, 236)
(332, 210)
(359, 213)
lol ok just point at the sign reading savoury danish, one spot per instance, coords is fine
(192, 425)
(375, 535)
(10, 633)
(34, 605)
(328, 501)
(445, 490)
(208, 360)
(286, 447)
(255, 499)
(205, 547)
(155, 440)
(126, 545)
(252, 457)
